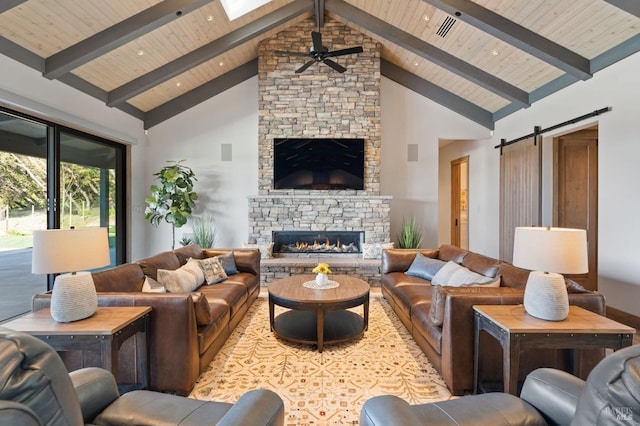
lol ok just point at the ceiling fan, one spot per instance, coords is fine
(319, 53)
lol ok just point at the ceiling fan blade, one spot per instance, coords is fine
(305, 66)
(284, 52)
(317, 41)
(349, 51)
(334, 65)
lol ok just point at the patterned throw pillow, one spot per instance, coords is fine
(374, 250)
(213, 270)
(266, 249)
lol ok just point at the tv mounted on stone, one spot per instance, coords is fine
(325, 164)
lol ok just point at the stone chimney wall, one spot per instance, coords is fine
(319, 103)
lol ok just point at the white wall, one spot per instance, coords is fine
(196, 136)
(23, 88)
(618, 152)
(410, 118)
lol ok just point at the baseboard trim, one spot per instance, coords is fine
(623, 317)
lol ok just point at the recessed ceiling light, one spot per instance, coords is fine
(221, 63)
(178, 84)
(210, 18)
(426, 17)
(415, 63)
(140, 52)
(495, 51)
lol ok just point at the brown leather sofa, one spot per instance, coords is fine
(441, 319)
(187, 329)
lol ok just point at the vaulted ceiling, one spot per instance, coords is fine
(483, 59)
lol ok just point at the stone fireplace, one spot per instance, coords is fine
(319, 103)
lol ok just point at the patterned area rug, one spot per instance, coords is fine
(325, 388)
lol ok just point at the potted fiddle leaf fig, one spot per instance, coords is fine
(173, 199)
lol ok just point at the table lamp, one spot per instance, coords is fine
(68, 251)
(549, 252)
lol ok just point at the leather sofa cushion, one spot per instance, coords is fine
(448, 252)
(219, 324)
(421, 321)
(202, 308)
(232, 295)
(127, 277)
(167, 260)
(512, 276)
(481, 264)
(191, 251)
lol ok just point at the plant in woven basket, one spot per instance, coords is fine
(410, 236)
(174, 199)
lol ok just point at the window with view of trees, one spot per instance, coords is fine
(52, 177)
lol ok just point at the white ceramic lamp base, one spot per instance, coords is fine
(545, 296)
(73, 297)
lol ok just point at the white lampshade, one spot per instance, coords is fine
(55, 251)
(549, 252)
(69, 250)
(560, 250)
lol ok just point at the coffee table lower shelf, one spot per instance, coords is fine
(301, 326)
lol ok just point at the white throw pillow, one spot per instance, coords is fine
(465, 276)
(182, 280)
(444, 274)
(152, 286)
(193, 266)
(374, 250)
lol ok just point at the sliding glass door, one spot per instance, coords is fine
(52, 177)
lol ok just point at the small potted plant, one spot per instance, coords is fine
(410, 236)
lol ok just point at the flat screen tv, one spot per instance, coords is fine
(318, 163)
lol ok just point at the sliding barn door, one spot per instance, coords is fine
(520, 186)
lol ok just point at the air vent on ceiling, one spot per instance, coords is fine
(446, 26)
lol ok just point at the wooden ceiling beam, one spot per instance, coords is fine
(200, 94)
(437, 94)
(118, 35)
(209, 51)
(517, 36)
(10, 4)
(629, 6)
(427, 51)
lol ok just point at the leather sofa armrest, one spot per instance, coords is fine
(14, 413)
(256, 407)
(388, 410)
(554, 393)
(399, 260)
(96, 389)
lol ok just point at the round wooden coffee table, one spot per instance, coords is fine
(318, 317)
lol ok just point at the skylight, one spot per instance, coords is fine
(237, 8)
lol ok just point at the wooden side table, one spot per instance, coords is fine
(104, 333)
(517, 331)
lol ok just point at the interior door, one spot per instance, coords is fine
(576, 192)
(520, 191)
(460, 202)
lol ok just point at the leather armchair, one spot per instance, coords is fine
(610, 396)
(35, 389)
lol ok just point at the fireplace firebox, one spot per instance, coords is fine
(311, 242)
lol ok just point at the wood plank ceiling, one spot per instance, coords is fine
(483, 59)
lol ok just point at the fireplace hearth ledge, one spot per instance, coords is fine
(281, 267)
